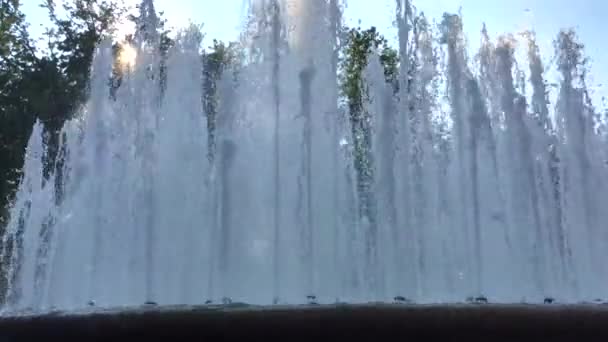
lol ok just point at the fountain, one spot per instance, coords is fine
(473, 187)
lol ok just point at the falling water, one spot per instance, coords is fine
(475, 187)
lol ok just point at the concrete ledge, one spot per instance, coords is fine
(377, 322)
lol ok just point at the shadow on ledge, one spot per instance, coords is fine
(380, 322)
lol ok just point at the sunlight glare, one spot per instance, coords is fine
(127, 55)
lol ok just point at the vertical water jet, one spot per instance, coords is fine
(276, 102)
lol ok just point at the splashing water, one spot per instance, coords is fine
(481, 190)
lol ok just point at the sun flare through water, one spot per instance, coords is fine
(127, 55)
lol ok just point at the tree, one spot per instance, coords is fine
(220, 57)
(63, 75)
(221, 149)
(17, 60)
(46, 84)
(151, 35)
(16, 52)
(360, 44)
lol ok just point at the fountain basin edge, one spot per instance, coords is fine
(553, 322)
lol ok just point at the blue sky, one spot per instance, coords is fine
(221, 19)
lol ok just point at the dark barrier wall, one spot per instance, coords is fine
(320, 323)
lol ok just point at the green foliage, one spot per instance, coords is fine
(15, 49)
(215, 62)
(389, 58)
(63, 71)
(46, 84)
(148, 24)
(360, 45)
(73, 40)
(220, 57)
(16, 62)
(151, 34)
(570, 56)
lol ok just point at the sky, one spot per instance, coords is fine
(222, 18)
